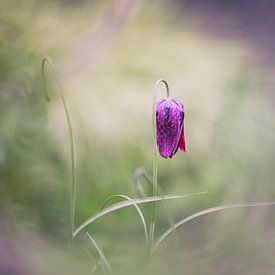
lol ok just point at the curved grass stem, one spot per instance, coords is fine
(71, 138)
(128, 203)
(205, 212)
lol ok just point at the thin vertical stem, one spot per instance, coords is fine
(155, 167)
(72, 145)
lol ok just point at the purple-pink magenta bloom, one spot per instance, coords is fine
(170, 127)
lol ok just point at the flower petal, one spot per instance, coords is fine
(182, 141)
(169, 118)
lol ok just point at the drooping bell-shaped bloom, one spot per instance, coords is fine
(170, 127)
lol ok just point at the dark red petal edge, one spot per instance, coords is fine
(182, 141)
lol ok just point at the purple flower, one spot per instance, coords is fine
(170, 128)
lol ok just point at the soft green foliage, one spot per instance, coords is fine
(31, 167)
(230, 136)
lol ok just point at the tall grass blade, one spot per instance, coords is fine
(127, 203)
(204, 212)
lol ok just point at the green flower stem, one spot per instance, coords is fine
(155, 167)
(72, 145)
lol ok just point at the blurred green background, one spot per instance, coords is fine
(217, 58)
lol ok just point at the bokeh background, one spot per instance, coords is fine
(218, 57)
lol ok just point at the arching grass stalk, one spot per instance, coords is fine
(127, 203)
(155, 167)
(71, 137)
(205, 212)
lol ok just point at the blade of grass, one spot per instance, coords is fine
(127, 203)
(71, 138)
(100, 252)
(136, 207)
(204, 212)
(96, 263)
